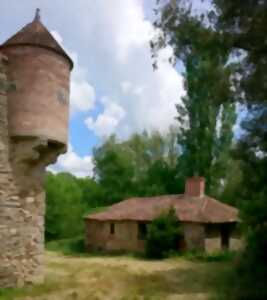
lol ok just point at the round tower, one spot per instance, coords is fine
(35, 110)
(40, 70)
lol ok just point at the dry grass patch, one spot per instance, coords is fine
(121, 278)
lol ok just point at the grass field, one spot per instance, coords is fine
(122, 278)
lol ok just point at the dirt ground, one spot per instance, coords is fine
(121, 278)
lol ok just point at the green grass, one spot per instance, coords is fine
(48, 287)
(75, 247)
(220, 256)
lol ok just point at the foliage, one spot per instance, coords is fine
(114, 170)
(207, 113)
(143, 165)
(220, 256)
(74, 246)
(163, 235)
(245, 28)
(240, 28)
(92, 192)
(64, 207)
(69, 199)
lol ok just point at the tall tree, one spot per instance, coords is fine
(207, 112)
(244, 25)
(242, 29)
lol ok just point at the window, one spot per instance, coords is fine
(142, 231)
(112, 228)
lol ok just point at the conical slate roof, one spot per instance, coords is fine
(35, 34)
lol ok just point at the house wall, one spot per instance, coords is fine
(194, 235)
(213, 238)
(197, 237)
(125, 237)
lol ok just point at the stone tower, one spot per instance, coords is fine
(34, 105)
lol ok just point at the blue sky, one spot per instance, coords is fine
(113, 87)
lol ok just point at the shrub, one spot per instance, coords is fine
(73, 246)
(220, 256)
(163, 235)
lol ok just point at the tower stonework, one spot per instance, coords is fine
(33, 132)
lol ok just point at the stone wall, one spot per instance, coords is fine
(197, 237)
(124, 238)
(22, 199)
(194, 235)
(10, 215)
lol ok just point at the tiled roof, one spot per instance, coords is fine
(188, 209)
(36, 34)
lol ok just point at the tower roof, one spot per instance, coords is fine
(36, 34)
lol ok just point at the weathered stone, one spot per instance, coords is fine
(33, 132)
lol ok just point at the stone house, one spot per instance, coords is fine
(208, 225)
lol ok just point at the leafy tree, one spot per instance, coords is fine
(114, 170)
(64, 207)
(92, 192)
(163, 235)
(207, 112)
(241, 26)
(244, 25)
(140, 166)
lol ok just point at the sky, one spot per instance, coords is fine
(114, 88)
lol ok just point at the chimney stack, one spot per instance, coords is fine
(195, 186)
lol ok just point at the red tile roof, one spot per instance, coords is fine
(188, 209)
(36, 34)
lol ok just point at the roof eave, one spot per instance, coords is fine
(61, 53)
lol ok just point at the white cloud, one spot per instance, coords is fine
(71, 162)
(138, 31)
(126, 86)
(146, 97)
(106, 123)
(82, 94)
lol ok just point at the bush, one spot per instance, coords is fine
(163, 235)
(73, 246)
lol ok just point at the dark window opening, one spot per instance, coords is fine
(142, 231)
(225, 236)
(112, 228)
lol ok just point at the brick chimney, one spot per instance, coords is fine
(195, 186)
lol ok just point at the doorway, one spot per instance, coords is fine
(225, 236)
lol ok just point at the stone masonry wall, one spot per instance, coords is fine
(22, 199)
(125, 236)
(10, 214)
(194, 235)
